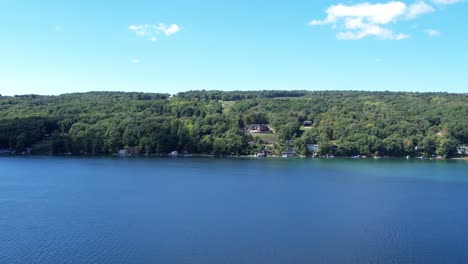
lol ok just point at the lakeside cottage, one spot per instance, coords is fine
(462, 150)
(314, 148)
(307, 123)
(258, 128)
(129, 151)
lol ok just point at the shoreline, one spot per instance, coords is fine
(463, 158)
(234, 157)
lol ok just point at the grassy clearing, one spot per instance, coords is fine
(292, 98)
(267, 137)
(227, 105)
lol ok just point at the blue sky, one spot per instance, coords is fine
(54, 47)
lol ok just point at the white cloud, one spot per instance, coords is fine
(142, 31)
(366, 19)
(373, 13)
(151, 31)
(432, 32)
(417, 9)
(168, 30)
(136, 61)
(371, 30)
(446, 2)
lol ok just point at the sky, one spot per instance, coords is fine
(56, 47)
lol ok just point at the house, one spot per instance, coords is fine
(289, 153)
(258, 128)
(314, 148)
(462, 150)
(133, 150)
(307, 123)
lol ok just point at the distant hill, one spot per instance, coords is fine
(212, 122)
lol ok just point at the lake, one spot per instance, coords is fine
(202, 210)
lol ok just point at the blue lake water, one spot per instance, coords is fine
(161, 210)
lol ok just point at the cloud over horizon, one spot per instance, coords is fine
(358, 21)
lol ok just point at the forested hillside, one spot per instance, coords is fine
(213, 122)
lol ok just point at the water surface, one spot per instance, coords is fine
(145, 210)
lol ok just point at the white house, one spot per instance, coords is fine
(463, 150)
(313, 147)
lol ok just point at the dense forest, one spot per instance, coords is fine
(341, 123)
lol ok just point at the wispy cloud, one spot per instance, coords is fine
(432, 32)
(152, 31)
(417, 9)
(136, 61)
(168, 30)
(446, 2)
(365, 19)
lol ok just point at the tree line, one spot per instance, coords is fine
(212, 122)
